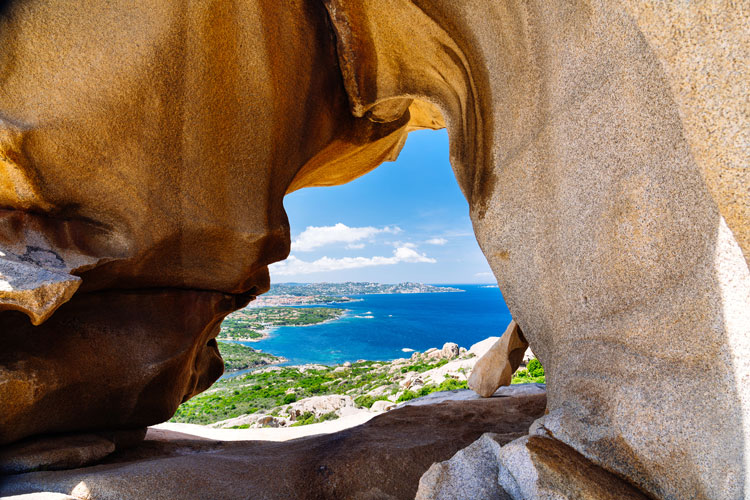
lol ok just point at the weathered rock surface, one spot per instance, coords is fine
(54, 453)
(470, 474)
(321, 405)
(108, 371)
(155, 162)
(541, 467)
(64, 451)
(499, 363)
(602, 147)
(532, 467)
(379, 406)
(382, 459)
(602, 213)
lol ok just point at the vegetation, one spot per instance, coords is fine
(269, 390)
(450, 384)
(250, 324)
(308, 418)
(240, 357)
(533, 373)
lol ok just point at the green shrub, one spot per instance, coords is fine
(407, 396)
(533, 373)
(367, 401)
(535, 368)
(289, 398)
(451, 384)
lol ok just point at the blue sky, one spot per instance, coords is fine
(405, 221)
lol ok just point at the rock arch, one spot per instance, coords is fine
(602, 147)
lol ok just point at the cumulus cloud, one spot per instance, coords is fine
(436, 241)
(317, 236)
(294, 265)
(355, 246)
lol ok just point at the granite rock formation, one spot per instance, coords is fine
(142, 172)
(145, 148)
(497, 366)
(379, 460)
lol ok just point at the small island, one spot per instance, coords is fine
(252, 324)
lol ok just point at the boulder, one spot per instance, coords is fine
(541, 467)
(449, 350)
(470, 474)
(480, 348)
(382, 405)
(529, 467)
(431, 352)
(498, 364)
(320, 405)
(252, 421)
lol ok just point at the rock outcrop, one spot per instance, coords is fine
(381, 459)
(321, 405)
(602, 147)
(470, 474)
(499, 363)
(619, 248)
(530, 467)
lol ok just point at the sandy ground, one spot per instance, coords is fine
(269, 434)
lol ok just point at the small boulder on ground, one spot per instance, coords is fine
(379, 406)
(321, 405)
(498, 364)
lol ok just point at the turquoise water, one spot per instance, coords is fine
(381, 326)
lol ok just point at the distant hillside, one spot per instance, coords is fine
(354, 288)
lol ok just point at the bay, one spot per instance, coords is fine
(380, 327)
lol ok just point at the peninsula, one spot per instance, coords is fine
(252, 324)
(354, 288)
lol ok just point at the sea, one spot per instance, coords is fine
(384, 327)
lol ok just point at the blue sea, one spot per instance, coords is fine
(380, 327)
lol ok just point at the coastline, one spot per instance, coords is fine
(265, 333)
(268, 330)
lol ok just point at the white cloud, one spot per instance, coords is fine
(355, 246)
(436, 241)
(406, 244)
(314, 237)
(294, 265)
(484, 275)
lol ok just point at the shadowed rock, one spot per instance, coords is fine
(381, 459)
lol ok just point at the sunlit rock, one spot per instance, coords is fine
(601, 146)
(497, 366)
